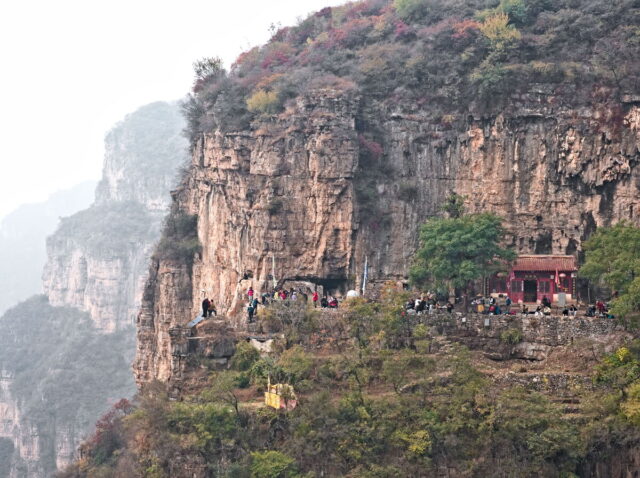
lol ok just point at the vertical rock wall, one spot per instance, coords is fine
(98, 260)
(281, 195)
(310, 193)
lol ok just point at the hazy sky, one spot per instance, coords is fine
(72, 68)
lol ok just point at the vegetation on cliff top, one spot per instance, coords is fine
(179, 241)
(152, 141)
(109, 229)
(439, 55)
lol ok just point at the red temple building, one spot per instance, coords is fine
(532, 277)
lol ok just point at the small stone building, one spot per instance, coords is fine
(533, 277)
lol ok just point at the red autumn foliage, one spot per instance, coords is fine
(281, 34)
(246, 58)
(106, 433)
(372, 147)
(352, 33)
(402, 30)
(276, 58)
(358, 10)
(465, 29)
(367, 8)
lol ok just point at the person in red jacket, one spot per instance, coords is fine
(250, 293)
(315, 299)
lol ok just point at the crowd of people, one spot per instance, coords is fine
(599, 309)
(424, 304)
(504, 305)
(282, 294)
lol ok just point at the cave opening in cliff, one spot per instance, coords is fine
(332, 286)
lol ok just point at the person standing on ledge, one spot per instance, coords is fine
(250, 293)
(250, 311)
(212, 309)
(206, 303)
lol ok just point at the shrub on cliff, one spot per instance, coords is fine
(244, 357)
(412, 9)
(179, 241)
(272, 464)
(296, 364)
(207, 70)
(275, 205)
(264, 102)
(511, 336)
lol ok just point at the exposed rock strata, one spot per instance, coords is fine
(99, 263)
(306, 195)
(26, 437)
(108, 287)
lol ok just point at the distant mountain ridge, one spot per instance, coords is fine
(65, 355)
(22, 240)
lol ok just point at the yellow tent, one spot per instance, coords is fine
(280, 396)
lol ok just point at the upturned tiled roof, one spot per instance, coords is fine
(545, 263)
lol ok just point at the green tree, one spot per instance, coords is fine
(208, 68)
(455, 251)
(515, 9)
(411, 9)
(272, 464)
(613, 260)
(296, 364)
(454, 205)
(244, 357)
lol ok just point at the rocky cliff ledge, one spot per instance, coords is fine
(309, 193)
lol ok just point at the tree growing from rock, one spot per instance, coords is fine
(457, 250)
(613, 260)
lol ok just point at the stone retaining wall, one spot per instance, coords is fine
(531, 337)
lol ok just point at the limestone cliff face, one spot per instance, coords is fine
(142, 153)
(108, 287)
(276, 200)
(308, 194)
(38, 451)
(97, 262)
(98, 259)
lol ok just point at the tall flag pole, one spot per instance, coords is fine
(365, 275)
(273, 270)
